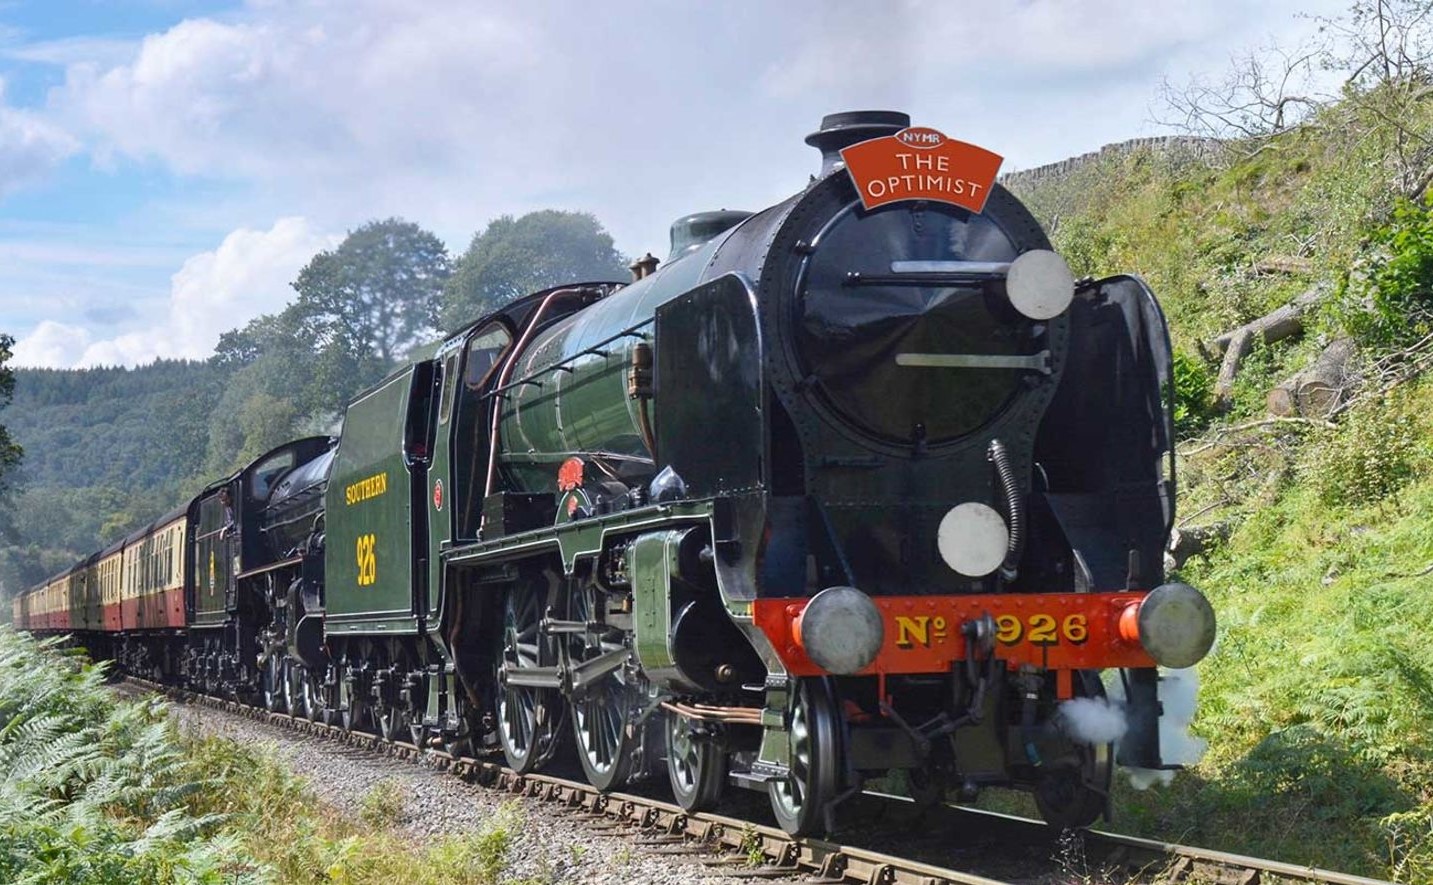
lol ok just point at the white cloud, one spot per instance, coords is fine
(247, 275)
(451, 112)
(51, 346)
(305, 89)
(30, 145)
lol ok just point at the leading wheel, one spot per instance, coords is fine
(604, 709)
(528, 717)
(799, 800)
(696, 763)
(1073, 793)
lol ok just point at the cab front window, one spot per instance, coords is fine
(484, 353)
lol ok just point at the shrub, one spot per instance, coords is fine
(382, 805)
(93, 789)
(1368, 459)
(1193, 394)
(1386, 298)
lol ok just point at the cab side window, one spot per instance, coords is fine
(450, 365)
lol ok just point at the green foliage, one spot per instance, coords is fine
(1367, 458)
(1193, 394)
(1386, 298)
(382, 805)
(96, 791)
(1409, 837)
(377, 294)
(361, 308)
(752, 846)
(284, 830)
(10, 451)
(93, 790)
(513, 257)
(1318, 698)
(107, 450)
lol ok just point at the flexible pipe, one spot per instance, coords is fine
(1014, 507)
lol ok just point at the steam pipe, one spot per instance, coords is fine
(729, 715)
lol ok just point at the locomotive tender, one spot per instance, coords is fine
(859, 484)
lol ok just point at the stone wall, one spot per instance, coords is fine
(1174, 145)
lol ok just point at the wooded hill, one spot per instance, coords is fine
(108, 449)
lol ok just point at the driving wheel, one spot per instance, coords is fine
(604, 701)
(528, 716)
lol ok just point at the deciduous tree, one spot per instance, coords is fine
(10, 451)
(514, 256)
(377, 294)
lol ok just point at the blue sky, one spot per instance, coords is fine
(166, 167)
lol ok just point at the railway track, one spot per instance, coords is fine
(1087, 856)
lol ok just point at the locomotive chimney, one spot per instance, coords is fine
(849, 127)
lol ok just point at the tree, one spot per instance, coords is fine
(377, 294)
(1261, 95)
(513, 257)
(10, 451)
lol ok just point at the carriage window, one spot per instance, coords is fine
(484, 351)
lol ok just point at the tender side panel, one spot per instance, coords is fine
(368, 517)
(215, 550)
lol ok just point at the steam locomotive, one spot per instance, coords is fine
(864, 485)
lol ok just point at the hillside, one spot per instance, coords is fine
(91, 427)
(105, 450)
(1317, 701)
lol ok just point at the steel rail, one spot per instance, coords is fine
(1180, 862)
(789, 856)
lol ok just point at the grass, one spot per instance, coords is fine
(98, 790)
(296, 839)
